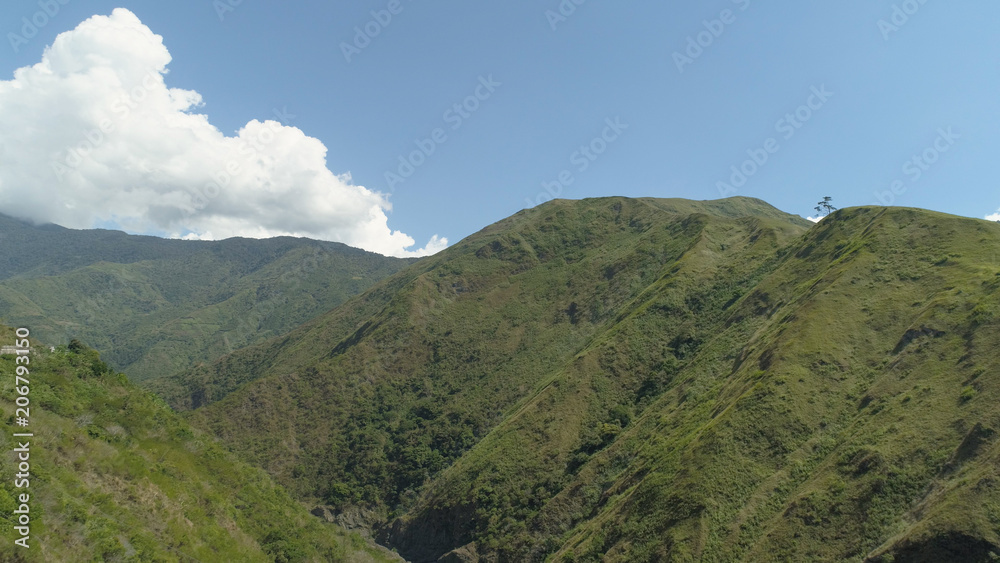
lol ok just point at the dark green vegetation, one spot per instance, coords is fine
(155, 306)
(117, 476)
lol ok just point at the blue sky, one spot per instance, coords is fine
(899, 80)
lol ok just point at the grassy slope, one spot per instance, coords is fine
(725, 388)
(414, 372)
(157, 306)
(542, 452)
(843, 409)
(117, 476)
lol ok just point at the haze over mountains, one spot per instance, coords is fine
(625, 379)
(153, 306)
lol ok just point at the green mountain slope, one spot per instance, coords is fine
(156, 306)
(839, 411)
(648, 380)
(115, 475)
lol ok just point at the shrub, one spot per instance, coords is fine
(967, 394)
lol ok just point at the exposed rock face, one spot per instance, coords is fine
(433, 538)
(464, 554)
(324, 513)
(914, 334)
(358, 520)
(946, 546)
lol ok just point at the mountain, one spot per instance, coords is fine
(155, 306)
(647, 380)
(114, 475)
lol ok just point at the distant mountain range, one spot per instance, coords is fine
(154, 306)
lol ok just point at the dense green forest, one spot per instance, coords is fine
(154, 306)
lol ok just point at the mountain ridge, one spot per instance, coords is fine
(619, 379)
(157, 305)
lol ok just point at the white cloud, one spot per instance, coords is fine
(92, 134)
(814, 219)
(994, 217)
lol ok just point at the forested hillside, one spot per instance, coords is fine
(115, 475)
(155, 306)
(647, 380)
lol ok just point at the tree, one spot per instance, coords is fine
(824, 207)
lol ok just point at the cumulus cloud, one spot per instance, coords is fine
(814, 219)
(93, 135)
(994, 217)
